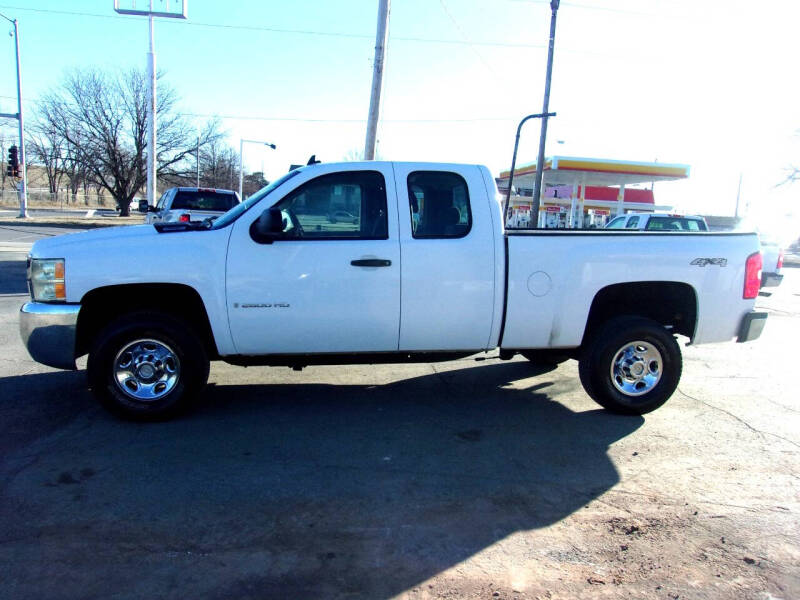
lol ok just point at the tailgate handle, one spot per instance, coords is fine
(371, 262)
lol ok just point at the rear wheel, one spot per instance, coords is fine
(631, 365)
(147, 366)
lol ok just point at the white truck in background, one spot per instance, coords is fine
(190, 204)
(653, 221)
(424, 271)
(772, 254)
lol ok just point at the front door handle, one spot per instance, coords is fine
(371, 262)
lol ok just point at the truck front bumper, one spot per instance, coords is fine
(48, 332)
(752, 326)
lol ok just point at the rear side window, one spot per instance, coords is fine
(633, 223)
(675, 224)
(439, 203)
(349, 205)
(189, 200)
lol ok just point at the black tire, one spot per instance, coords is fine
(549, 358)
(176, 355)
(643, 395)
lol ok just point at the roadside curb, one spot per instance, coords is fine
(72, 223)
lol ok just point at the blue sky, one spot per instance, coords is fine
(707, 83)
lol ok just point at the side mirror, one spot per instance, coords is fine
(268, 227)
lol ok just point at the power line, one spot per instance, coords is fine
(347, 35)
(188, 23)
(307, 120)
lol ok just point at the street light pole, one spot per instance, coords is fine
(537, 190)
(151, 83)
(241, 164)
(514, 164)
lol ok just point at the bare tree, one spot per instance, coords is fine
(792, 175)
(103, 119)
(47, 147)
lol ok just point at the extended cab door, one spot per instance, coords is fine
(449, 259)
(331, 281)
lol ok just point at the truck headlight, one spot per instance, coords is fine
(46, 277)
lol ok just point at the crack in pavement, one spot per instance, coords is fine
(740, 420)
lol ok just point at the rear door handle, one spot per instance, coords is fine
(371, 262)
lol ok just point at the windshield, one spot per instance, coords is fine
(238, 210)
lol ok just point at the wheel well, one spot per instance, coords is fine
(102, 305)
(669, 303)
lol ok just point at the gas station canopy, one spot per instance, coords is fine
(565, 170)
(583, 191)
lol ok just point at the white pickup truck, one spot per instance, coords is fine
(184, 204)
(422, 272)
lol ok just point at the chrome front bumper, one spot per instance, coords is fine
(48, 332)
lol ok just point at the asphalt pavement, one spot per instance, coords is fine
(476, 478)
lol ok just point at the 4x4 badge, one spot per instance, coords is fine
(702, 262)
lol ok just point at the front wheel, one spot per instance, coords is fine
(147, 366)
(631, 366)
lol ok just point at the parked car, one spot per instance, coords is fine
(191, 204)
(658, 222)
(268, 285)
(342, 216)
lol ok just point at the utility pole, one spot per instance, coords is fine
(537, 190)
(381, 38)
(738, 195)
(23, 184)
(197, 161)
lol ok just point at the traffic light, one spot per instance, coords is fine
(12, 170)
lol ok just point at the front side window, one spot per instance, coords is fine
(439, 203)
(633, 223)
(337, 206)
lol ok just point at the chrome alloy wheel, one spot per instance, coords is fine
(636, 368)
(146, 370)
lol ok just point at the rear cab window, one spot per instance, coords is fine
(675, 224)
(203, 200)
(439, 205)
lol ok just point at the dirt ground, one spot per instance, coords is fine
(468, 479)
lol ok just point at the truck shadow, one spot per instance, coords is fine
(308, 490)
